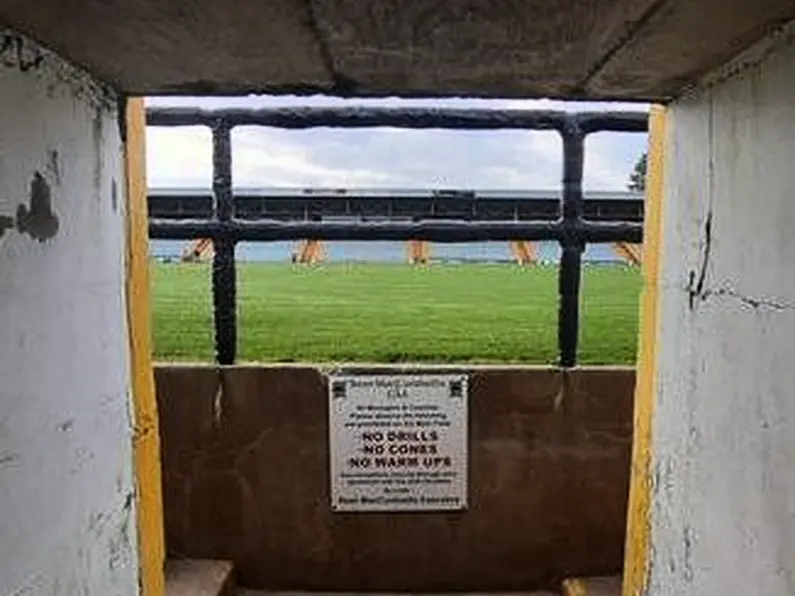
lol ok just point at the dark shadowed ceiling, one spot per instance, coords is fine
(576, 49)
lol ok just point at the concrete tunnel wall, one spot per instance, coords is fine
(723, 501)
(246, 477)
(67, 506)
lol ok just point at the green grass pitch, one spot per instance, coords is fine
(379, 313)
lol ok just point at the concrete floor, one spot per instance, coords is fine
(199, 578)
(258, 593)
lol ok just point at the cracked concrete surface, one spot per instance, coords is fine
(698, 280)
(68, 524)
(629, 49)
(724, 421)
(755, 302)
(6, 223)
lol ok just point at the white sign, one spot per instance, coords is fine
(398, 442)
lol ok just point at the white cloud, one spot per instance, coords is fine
(178, 156)
(387, 157)
(262, 159)
(609, 159)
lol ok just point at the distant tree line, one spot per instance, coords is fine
(637, 179)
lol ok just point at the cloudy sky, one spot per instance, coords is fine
(388, 157)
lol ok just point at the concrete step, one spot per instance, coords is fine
(592, 586)
(194, 577)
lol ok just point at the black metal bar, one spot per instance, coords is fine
(572, 243)
(443, 231)
(413, 118)
(590, 122)
(571, 230)
(223, 199)
(224, 268)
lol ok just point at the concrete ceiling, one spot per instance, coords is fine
(576, 49)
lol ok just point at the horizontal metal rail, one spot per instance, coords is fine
(410, 118)
(572, 230)
(442, 231)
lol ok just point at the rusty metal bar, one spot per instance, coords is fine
(412, 118)
(443, 231)
(572, 231)
(224, 267)
(572, 244)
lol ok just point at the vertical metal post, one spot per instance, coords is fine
(224, 274)
(571, 244)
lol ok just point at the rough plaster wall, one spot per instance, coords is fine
(724, 429)
(67, 522)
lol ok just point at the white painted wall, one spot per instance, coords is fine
(723, 519)
(67, 520)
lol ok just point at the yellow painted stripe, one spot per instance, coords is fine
(146, 440)
(636, 564)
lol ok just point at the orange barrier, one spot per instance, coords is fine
(198, 250)
(419, 251)
(309, 252)
(524, 252)
(631, 253)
